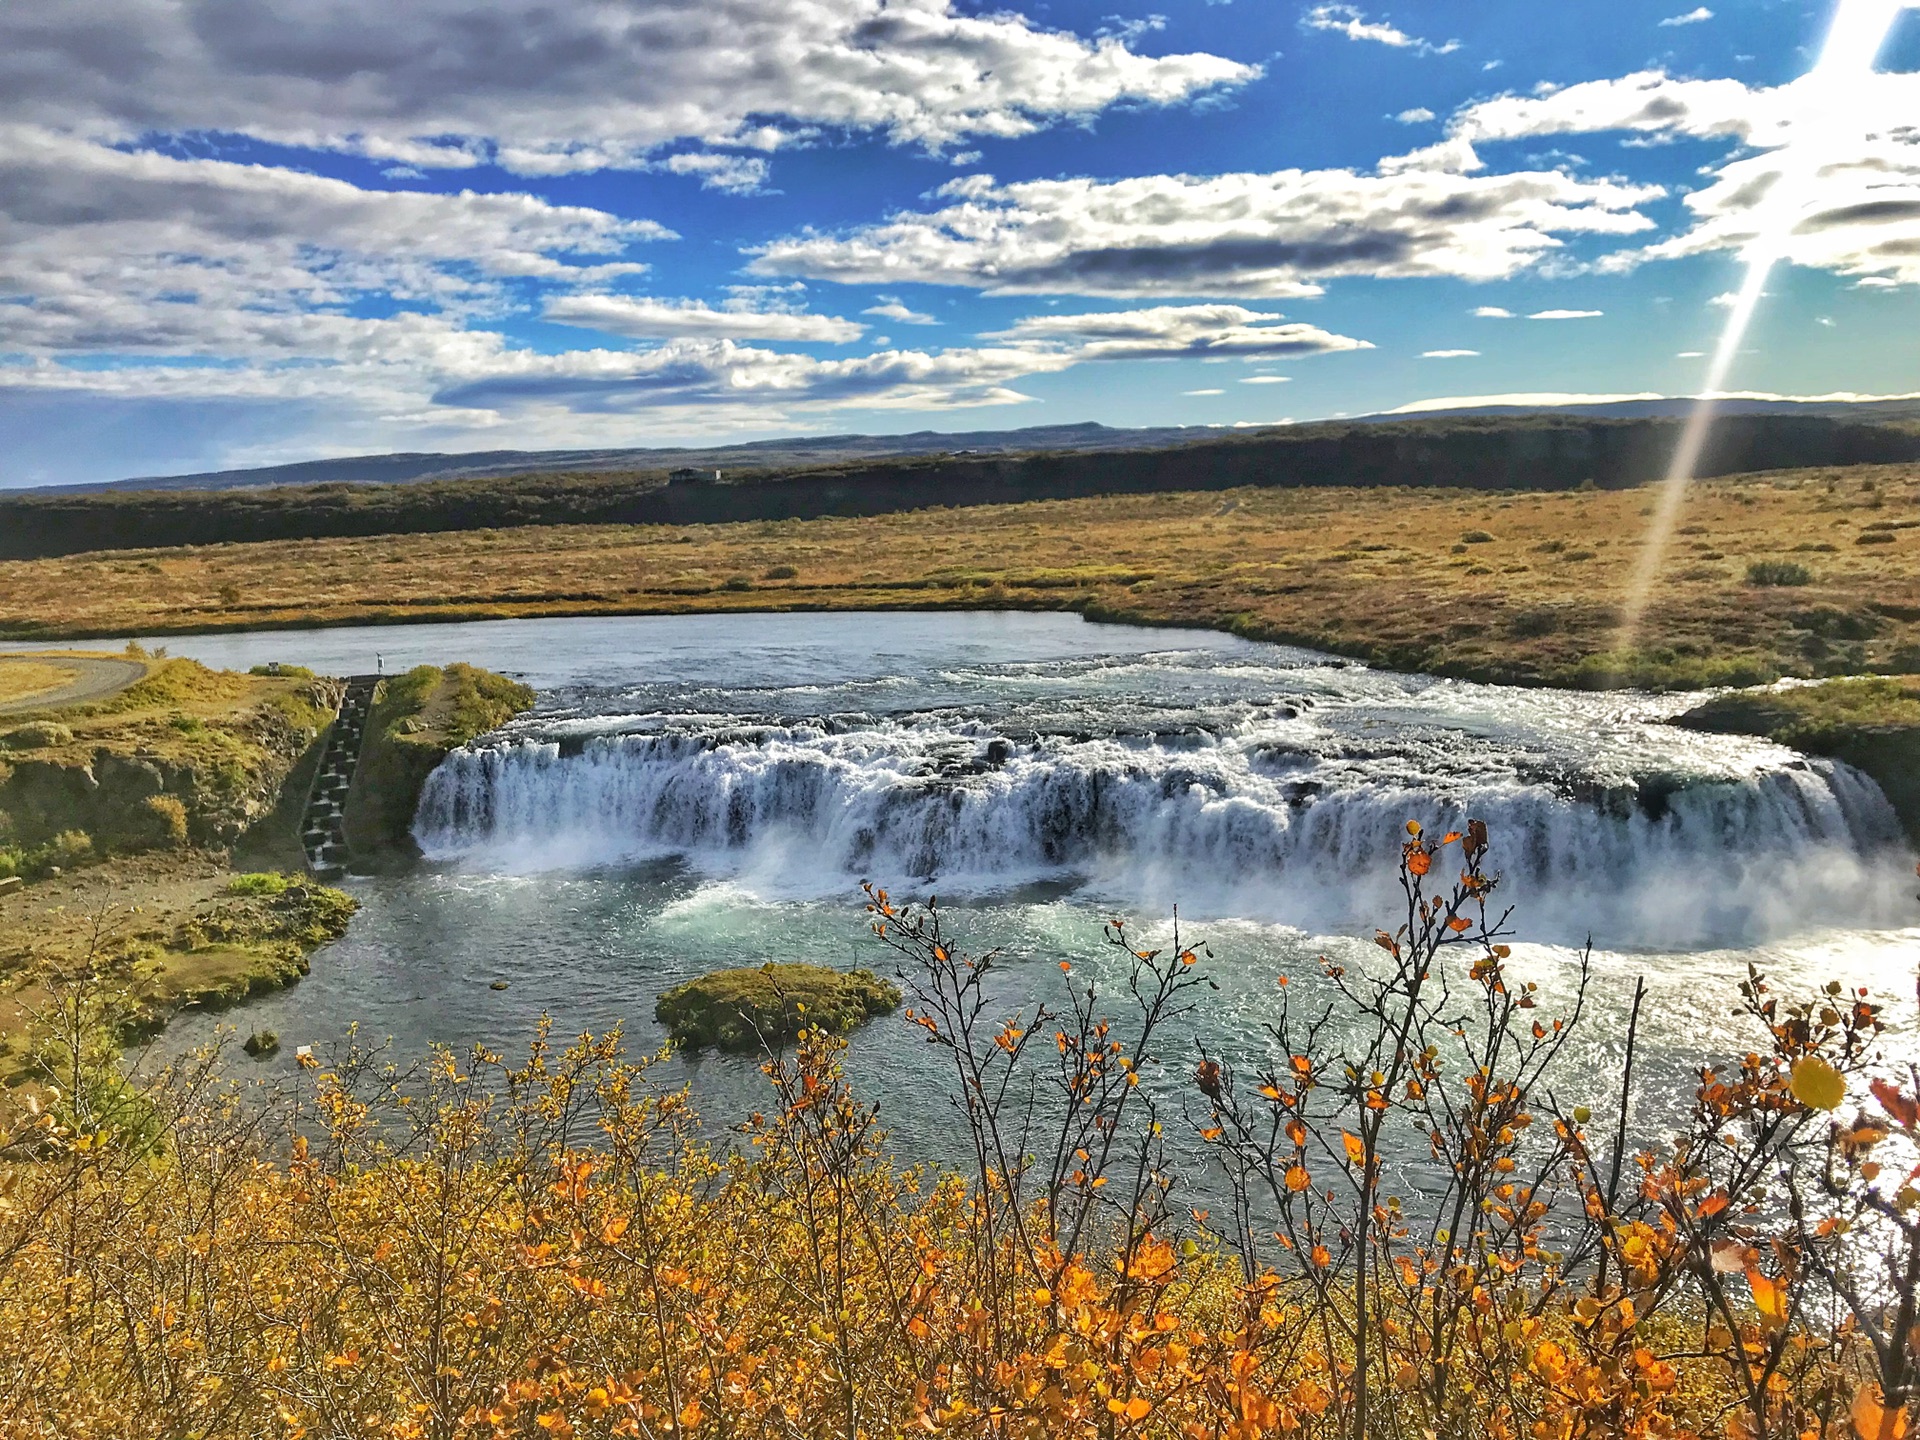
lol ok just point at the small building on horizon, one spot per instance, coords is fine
(691, 475)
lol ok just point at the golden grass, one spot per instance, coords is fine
(23, 678)
(1387, 574)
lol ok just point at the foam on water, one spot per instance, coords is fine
(1274, 791)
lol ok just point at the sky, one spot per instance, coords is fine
(241, 232)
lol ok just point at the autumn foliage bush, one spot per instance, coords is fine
(1401, 1233)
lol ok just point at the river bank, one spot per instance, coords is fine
(1806, 573)
(148, 840)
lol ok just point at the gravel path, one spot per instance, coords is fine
(98, 678)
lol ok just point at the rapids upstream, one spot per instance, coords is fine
(692, 792)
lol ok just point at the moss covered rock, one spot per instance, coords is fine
(770, 1004)
(36, 736)
(417, 718)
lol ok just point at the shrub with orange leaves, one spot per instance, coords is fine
(472, 1249)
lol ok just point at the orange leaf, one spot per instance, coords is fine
(1905, 1111)
(1297, 1178)
(1872, 1420)
(1419, 862)
(1356, 1149)
(1459, 924)
(1769, 1298)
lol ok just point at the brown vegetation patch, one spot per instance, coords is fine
(1365, 572)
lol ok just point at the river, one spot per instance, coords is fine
(700, 791)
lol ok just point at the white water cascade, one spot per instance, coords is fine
(1277, 818)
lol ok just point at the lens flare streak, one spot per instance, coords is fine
(1819, 133)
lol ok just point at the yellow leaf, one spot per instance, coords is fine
(1769, 1298)
(1817, 1085)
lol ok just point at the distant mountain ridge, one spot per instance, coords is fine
(1523, 452)
(404, 467)
(410, 466)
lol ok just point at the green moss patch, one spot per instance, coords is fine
(752, 1007)
(1812, 717)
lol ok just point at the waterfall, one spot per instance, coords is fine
(1243, 824)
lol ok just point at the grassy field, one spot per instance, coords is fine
(1798, 572)
(123, 817)
(22, 680)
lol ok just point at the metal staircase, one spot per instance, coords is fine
(323, 831)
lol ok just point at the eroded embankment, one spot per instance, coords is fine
(1872, 723)
(149, 843)
(417, 719)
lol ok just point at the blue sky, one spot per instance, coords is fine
(246, 231)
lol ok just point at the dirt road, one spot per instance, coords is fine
(98, 677)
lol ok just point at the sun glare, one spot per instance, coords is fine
(1819, 131)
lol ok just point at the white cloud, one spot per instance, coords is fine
(1419, 115)
(1348, 20)
(1447, 354)
(1266, 380)
(426, 371)
(140, 253)
(1540, 400)
(1258, 236)
(1166, 331)
(542, 88)
(1692, 17)
(1492, 312)
(1646, 101)
(1566, 315)
(647, 318)
(1203, 392)
(1691, 355)
(734, 174)
(891, 309)
(1859, 214)
(478, 380)
(692, 372)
